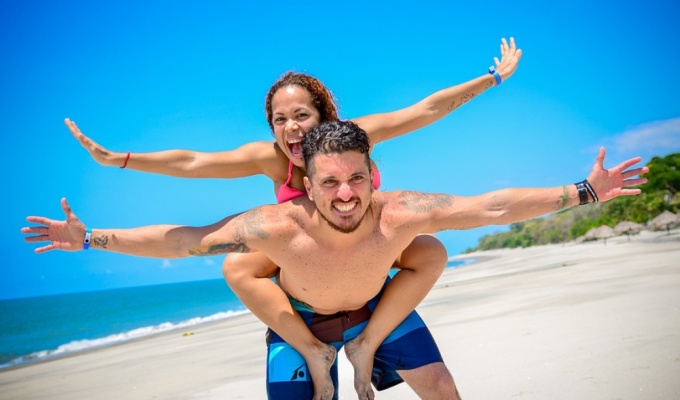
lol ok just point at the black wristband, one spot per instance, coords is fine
(582, 192)
(590, 190)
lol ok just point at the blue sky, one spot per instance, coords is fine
(178, 74)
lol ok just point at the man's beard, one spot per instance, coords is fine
(339, 228)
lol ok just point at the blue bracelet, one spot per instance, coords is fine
(88, 235)
(493, 72)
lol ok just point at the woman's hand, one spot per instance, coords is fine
(99, 153)
(510, 56)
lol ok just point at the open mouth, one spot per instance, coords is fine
(295, 147)
(345, 208)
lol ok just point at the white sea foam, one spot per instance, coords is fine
(79, 345)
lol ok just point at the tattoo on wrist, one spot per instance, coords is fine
(101, 241)
(424, 202)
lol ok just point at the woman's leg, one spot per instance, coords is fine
(420, 264)
(248, 276)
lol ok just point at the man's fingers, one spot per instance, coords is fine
(34, 239)
(498, 63)
(512, 44)
(630, 192)
(629, 163)
(67, 209)
(599, 161)
(39, 220)
(633, 172)
(35, 230)
(634, 182)
(44, 249)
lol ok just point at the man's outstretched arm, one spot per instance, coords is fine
(235, 234)
(507, 206)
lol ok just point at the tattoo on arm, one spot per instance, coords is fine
(220, 248)
(464, 99)
(564, 197)
(424, 202)
(247, 223)
(101, 241)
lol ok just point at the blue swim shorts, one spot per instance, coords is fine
(409, 346)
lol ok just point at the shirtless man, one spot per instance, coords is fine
(335, 248)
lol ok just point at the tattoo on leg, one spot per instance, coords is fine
(101, 241)
(424, 202)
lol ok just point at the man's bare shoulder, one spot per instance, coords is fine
(270, 220)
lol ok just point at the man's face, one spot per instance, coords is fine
(341, 189)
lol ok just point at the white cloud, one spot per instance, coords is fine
(209, 261)
(167, 264)
(662, 137)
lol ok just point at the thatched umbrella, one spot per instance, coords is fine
(665, 220)
(627, 227)
(601, 232)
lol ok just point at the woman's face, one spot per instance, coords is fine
(293, 115)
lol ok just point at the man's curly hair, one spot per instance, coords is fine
(334, 137)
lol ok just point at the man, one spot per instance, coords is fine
(335, 249)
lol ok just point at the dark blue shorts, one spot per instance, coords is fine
(409, 346)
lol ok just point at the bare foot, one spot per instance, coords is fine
(362, 361)
(318, 367)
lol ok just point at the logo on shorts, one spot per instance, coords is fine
(298, 374)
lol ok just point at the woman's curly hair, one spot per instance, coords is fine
(322, 98)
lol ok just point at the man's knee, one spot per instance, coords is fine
(433, 381)
(231, 270)
(440, 378)
(239, 269)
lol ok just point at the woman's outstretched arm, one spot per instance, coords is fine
(250, 159)
(381, 127)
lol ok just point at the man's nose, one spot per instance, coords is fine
(344, 192)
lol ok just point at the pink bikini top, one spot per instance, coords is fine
(286, 192)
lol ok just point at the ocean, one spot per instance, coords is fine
(36, 328)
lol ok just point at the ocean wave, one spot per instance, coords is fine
(85, 344)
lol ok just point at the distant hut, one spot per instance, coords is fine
(601, 232)
(627, 228)
(666, 220)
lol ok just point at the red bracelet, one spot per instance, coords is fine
(126, 160)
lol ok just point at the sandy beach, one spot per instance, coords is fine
(574, 321)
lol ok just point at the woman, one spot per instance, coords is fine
(295, 104)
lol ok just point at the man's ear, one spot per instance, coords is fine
(308, 188)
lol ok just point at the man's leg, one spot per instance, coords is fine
(421, 264)
(431, 382)
(288, 377)
(247, 275)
